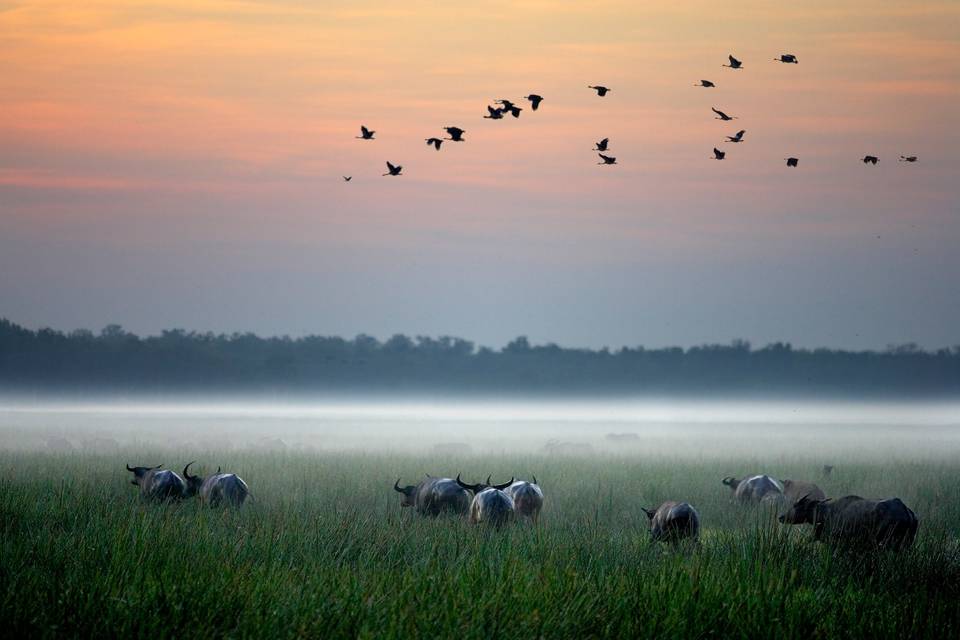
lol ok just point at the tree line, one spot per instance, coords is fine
(182, 361)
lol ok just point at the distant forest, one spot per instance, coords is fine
(182, 361)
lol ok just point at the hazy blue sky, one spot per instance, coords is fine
(178, 164)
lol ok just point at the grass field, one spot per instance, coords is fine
(324, 550)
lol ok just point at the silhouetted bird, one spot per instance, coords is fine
(602, 145)
(870, 159)
(705, 83)
(600, 89)
(721, 115)
(717, 154)
(509, 106)
(908, 158)
(393, 170)
(738, 137)
(606, 159)
(792, 162)
(436, 142)
(535, 100)
(347, 178)
(494, 114)
(789, 58)
(456, 133)
(365, 134)
(734, 63)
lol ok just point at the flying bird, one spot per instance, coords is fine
(602, 145)
(734, 63)
(347, 178)
(535, 100)
(792, 162)
(436, 142)
(606, 159)
(908, 158)
(365, 134)
(456, 133)
(721, 115)
(600, 89)
(870, 159)
(495, 114)
(717, 154)
(789, 58)
(738, 137)
(509, 106)
(393, 170)
(705, 83)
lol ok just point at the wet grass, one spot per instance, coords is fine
(324, 550)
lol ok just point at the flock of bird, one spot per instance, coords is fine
(507, 107)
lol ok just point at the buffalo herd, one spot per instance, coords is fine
(849, 521)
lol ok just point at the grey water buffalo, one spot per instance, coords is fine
(217, 489)
(755, 489)
(793, 490)
(158, 484)
(527, 498)
(490, 504)
(433, 496)
(673, 522)
(856, 522)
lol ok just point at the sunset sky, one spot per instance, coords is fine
(178, 164)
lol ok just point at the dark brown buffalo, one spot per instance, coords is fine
(755, 489)
(673, 522)
(490, 504)
(158, 484)
(527, 498)
(433, 496)
(856, 522)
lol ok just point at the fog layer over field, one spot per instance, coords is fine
(684, 429)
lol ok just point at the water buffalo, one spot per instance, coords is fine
(433, 496)
(158, 484)
(856, 522)
(217, 489)
(793, 490)
(760, 488)
(673, 521)
(490, 504)
(527, 498)
(827, 470)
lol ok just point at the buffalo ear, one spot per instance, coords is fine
(650, 512)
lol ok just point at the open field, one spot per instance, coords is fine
(323, 549)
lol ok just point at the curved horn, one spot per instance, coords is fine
(650, 512)
(129, 469)
(501, 487)
(488, 480)
(468, 487)
(218, 468)
(396, 486)
(534, 479)
(186, 474)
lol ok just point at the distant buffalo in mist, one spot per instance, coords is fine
(755, 489)
(827, 470)
(158, 484)
(433, 496)
(856, 522)
(527, 498)
(218, 489)
(563, 448)
(793, 490)
(491, 504)
(673, 522)
(623, 438)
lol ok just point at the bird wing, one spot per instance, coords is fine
(364, 130)
(717, 152)
(390, 166)
(733, 60)
(605, 158)
(741, 132)
(717, 111)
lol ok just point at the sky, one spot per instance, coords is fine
(178, 164)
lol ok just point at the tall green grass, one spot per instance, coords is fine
(324, 550)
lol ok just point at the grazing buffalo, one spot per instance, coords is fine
(793, 490)
(490, 504)
(673, 522)
(827, 470)
(433, 496)
(857, 522)
(217, 489)
(527, 498)
(760, 488)
(158, 484)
